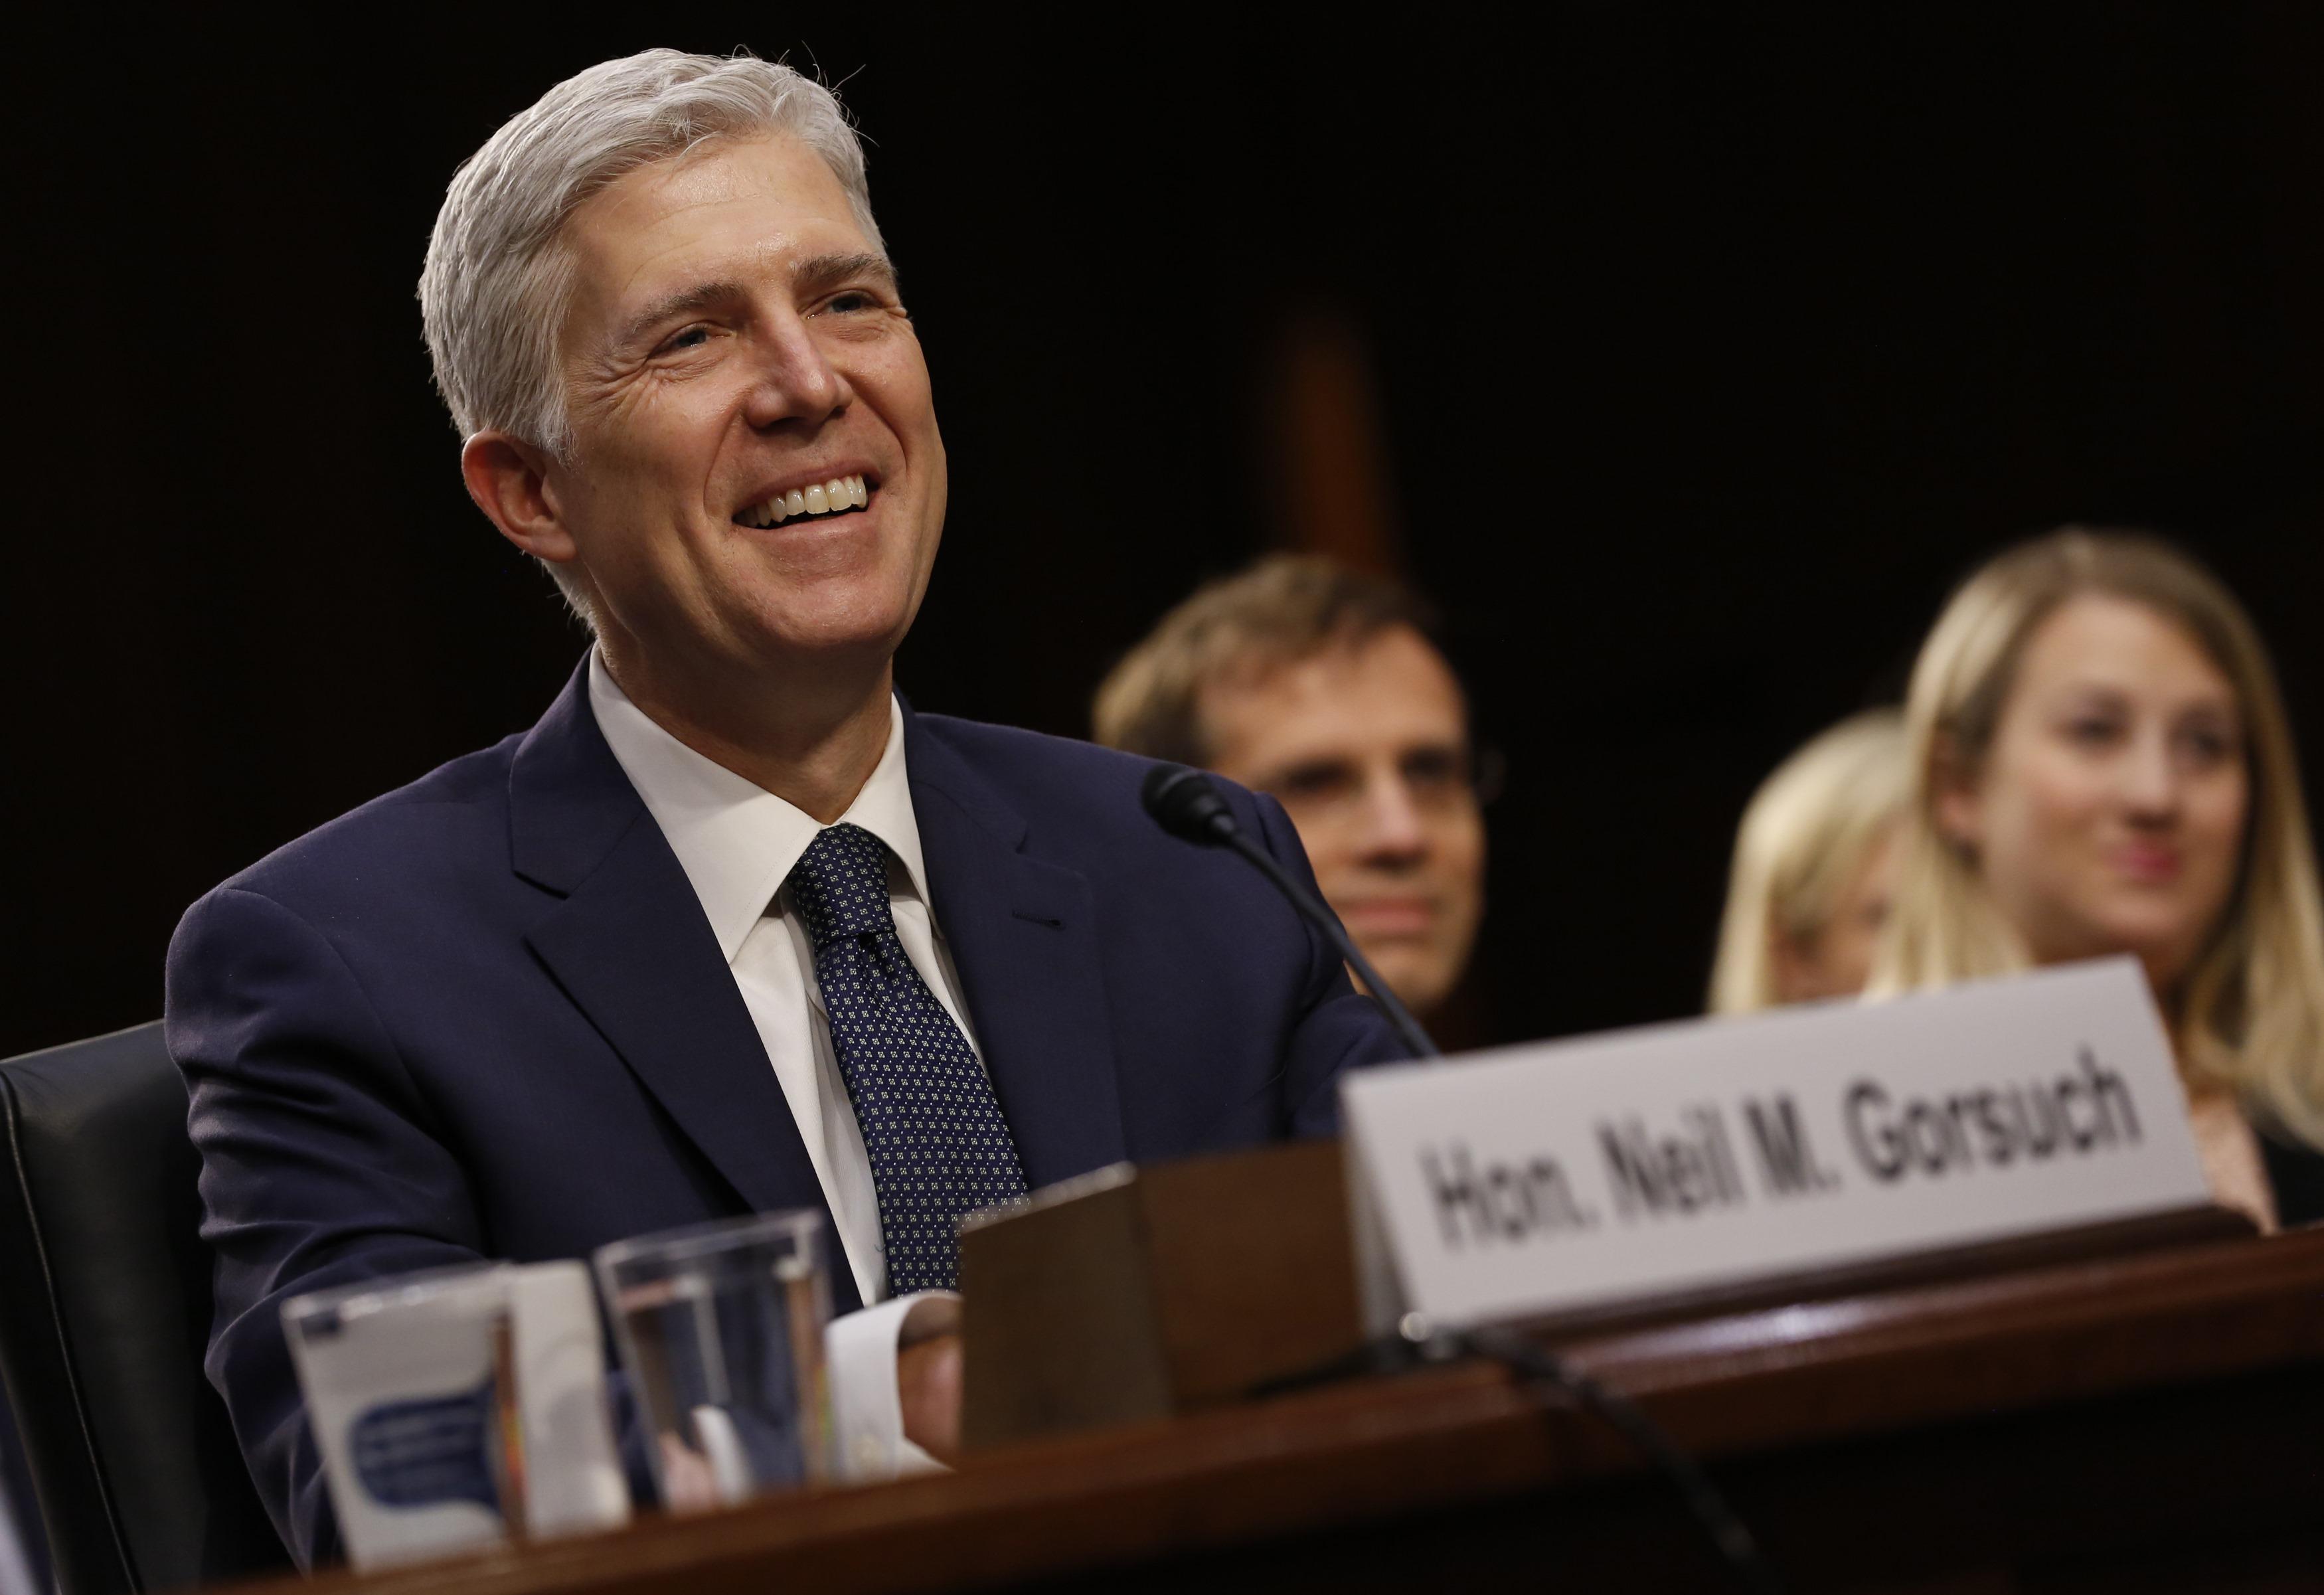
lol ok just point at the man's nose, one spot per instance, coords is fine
(796, 380)
(1393, 826)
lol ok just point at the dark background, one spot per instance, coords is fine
(1710, 353)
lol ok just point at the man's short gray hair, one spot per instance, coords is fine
(493, 293)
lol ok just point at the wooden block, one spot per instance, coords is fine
(1139, 1293)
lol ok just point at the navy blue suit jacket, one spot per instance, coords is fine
(484, 1016)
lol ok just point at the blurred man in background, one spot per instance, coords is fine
(1321, 687)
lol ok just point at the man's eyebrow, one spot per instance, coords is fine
(823, 272)
(819, 274)
(684, 301)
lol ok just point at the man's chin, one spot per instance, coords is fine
(1417, 981)
(825, 653)
(835, 626)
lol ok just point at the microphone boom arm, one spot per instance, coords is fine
(1186, 804)
(1320, 914)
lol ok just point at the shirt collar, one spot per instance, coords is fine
(736, 841)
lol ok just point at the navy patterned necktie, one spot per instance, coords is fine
(939, 1146)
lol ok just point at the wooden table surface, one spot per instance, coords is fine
(2147, 1423)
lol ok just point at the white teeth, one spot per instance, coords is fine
(841, 493)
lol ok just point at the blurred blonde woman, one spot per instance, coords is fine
(1815, 870)
(2101, 764)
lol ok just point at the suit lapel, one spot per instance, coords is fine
(629, 944)
(1023, 935)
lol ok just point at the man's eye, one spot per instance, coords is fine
(1310, 782)
(1435, 770)
(2092, 733)
(693, 338)
(855, 301)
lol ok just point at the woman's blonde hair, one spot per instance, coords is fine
(1808, 829)
(2251, 1013)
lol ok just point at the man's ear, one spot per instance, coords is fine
(1958, 805)
(509, 479)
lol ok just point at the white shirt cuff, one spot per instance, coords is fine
(867, 1409)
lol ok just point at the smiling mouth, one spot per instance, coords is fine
(842, 495)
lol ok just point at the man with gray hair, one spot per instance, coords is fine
(731, 928)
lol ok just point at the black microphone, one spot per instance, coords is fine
(1186, 804)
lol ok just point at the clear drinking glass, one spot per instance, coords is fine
(721, 1329)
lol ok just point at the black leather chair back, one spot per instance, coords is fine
(105, 1309)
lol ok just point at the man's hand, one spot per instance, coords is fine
(927, 1377)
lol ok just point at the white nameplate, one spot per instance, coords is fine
(1564, 1176)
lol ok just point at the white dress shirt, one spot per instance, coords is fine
(737, 844)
